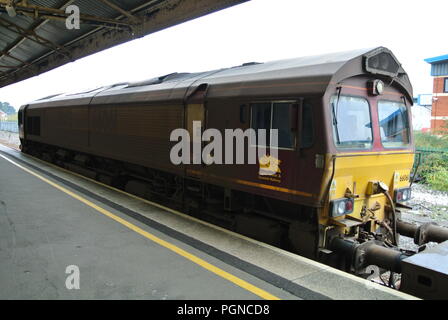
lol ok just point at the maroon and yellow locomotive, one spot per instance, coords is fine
(345, 151)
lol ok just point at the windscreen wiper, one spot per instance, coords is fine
(334, 108)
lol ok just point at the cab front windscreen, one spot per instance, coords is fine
(352, 123)
(394, 124)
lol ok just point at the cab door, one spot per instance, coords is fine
(195, 123)
(21, 122)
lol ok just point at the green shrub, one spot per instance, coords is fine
(12, 117)
(434, 165)
(438, 178)
(434, 170)
(431, 161)
(428, 140)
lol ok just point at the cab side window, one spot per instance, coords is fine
(261, 119)
(307, 126)
(282, 122)
(273, 115)
(32, 125)
(277, 115)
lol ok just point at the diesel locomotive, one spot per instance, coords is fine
(344, 157)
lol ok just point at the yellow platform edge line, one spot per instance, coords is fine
(202, 263)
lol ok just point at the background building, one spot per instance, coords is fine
(439, 114)
(421, 112)
(3, 115)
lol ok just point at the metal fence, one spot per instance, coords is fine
(11, 126)
(425, 152)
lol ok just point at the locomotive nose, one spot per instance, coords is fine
(367, 187)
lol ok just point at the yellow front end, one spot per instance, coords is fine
(357, 176)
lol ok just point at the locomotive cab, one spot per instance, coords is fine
(371, 152)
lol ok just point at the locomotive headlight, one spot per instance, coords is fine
(379, 86)
(341, 207)
(406, 194)
(376, 87)
(403, 194)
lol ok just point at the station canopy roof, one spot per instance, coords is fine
(34, 37)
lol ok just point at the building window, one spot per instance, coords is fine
(445, 85)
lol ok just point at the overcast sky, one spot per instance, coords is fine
(260, 30)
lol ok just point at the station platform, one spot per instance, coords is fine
(130, 248)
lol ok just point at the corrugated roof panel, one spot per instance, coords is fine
(131, 4)
(9, 62)
(96, 8)
(439, 69)
(6, 37)
(21, 21)
(58, 32)
(31, 49)
(48, 3)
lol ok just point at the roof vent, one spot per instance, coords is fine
(247, 64)
(250, 64)
(157, 80)
(49, 97)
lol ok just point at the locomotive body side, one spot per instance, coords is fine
(344, 159)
